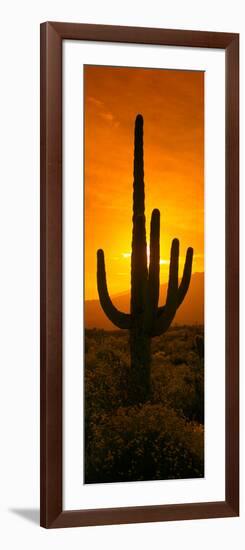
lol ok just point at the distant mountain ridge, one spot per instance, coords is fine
(191, 311)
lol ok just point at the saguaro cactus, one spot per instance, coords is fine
(146, 319)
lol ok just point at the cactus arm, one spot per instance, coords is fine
(165, 316)
(172, 293)
(120, 319)
(154, 271)
(162, 322)
(185, 282)
(154, 266)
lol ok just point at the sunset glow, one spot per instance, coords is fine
(172, 104)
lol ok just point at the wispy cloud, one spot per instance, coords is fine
(107, 116)
(102, 111)
(95, 101)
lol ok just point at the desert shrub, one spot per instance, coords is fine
(106, 377)
(142, 443)
(162, 439)
(181, 388)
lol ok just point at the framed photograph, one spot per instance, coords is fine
(139, 275)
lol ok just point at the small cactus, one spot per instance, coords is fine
(146, 319)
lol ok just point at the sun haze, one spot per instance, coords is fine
(172, 105)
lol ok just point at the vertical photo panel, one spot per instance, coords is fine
(144, 274)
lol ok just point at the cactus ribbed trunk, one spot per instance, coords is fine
(145, 319)
(140, 353)
(140, 346)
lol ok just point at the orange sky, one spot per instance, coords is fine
(172, 104)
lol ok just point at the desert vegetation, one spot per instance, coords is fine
(158, 438)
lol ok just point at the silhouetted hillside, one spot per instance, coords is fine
(191, 312)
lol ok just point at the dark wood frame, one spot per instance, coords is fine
(52, 35)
